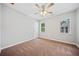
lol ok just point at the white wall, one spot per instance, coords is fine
(17, 27)
(77, 27)
(53, 28)
(0, 27)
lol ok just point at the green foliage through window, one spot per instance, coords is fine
(42, 27)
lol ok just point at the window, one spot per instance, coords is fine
(42, 27)
(65, 26)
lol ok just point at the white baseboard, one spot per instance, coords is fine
(62, 41)
(16, 43)
(36, 38)
(77, 45)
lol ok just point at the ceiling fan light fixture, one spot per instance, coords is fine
(43, 13)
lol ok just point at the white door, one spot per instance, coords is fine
(36, 29)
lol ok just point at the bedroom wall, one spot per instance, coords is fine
(77, 26)
(53, 28)
(0, 27)
(17, 27)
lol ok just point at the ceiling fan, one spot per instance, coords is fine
(44, 9)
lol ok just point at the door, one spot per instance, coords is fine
(36, 29)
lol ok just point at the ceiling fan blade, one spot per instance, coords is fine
(12, 3)
(37, 5)
(50, 5)
(50, 12)
(43, 7)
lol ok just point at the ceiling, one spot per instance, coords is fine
(30, 9)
